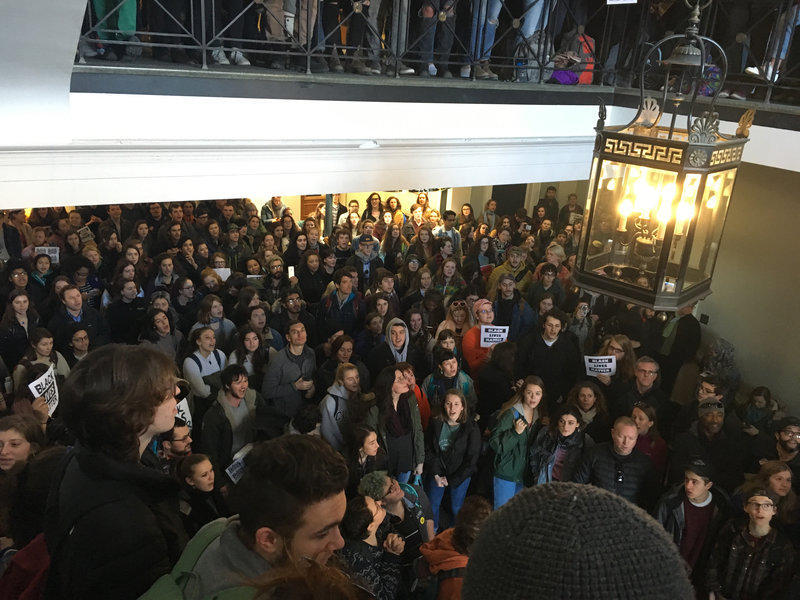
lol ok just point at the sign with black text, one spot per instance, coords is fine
(46, 387)
(600, 365)
(493, 334)
(51, 251)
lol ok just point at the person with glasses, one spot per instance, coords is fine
(751, 559)
(645, 388)
(692, 514)
(783, 445)
(708, 440)
(709, 387)
(774, 476)
(511, 309)
(620, 468)
(78, 347)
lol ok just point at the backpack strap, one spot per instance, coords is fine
(216, 356)
(196, 361)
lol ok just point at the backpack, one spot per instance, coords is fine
(196, 360)
(533, 58)
(173, 585)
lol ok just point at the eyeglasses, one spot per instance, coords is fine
(188, 287)
(292, 300)
(761, 505)
(717, 405)
(19, 274)
(791, 433)
(82, 338)
(183, 439)
(616, 350)
(458, 303)
(485, 311)
(647, 372)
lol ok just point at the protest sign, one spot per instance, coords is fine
(85, 234)
(46, 386)
(493, 334)
(183, 412)
(236, 469)
(51, 251)
(600, 365)
(223, 272)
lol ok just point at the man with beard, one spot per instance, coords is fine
(707, 440)
(784, 445)
(172, 446)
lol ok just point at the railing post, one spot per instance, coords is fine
(203, 48)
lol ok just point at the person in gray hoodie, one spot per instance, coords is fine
(335, 405)
(396, 349)
(290, 502)
(289, 381)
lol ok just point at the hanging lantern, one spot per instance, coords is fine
(659, 194)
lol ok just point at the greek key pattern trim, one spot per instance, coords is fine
(644, 150)
(725, 155)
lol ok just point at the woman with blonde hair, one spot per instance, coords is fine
(458, 319)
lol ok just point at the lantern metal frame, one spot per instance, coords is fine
(699, 150)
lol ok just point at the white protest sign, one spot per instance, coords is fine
(183, 412)
(236, 468)
(600, 365)
(223, 272)
(51, 251)
(85, 234)
(46, 386)
(493, 334)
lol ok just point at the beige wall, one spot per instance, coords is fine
(754, 303)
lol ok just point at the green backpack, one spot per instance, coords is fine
(173, 585)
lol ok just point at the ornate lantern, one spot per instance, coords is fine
(658, 194)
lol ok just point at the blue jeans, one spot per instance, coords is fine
(504, 491)
(787, 21)
(436, 493)
(404, 477)
(485, 16)
(536, 14)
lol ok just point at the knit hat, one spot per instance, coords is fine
(479, 304)
(710, 405)
(567, 540)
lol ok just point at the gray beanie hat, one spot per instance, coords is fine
(576, 542)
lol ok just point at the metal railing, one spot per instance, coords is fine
(560, 41)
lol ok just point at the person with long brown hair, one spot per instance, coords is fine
(614, 386)
(587, 397)
(774, 476)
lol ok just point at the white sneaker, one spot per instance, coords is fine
(724, 94)
(737, 95)
(755, 72)
(218, 57)
(432, 70)
(465, 71)
(238, 58)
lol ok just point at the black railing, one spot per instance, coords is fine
(558, 41)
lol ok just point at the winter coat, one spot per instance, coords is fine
(356, 470)
(543, 454)
(522, 318)
(522, 275)
(475, 355)
(125, 320)
(494, 389)
(670, 513)
(112, 528)
(771, 564)
(357, 261)
(724, 453)
(435, 388)
(14, 342)
(460, 460)
(511, 448)
(217, 432)
(559, 365)
(332, 317)
(376, 567)
(447, 564)
(631, 476)
(374, 419)
(199, 508)
(334, 414)
(278, 388)
(61, 326)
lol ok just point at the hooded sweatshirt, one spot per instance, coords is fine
(402, 354)
(334, 412)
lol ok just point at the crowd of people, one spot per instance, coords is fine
(250, 403)
(580, 42)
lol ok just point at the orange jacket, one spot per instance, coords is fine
(442, 556)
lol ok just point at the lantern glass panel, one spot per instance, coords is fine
(708, 230)
(632, 207)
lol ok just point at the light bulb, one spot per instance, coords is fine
(664, 212)
(668, 193)
(625, 207)
(685, 211)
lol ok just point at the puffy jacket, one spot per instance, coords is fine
(460, 460)
(543, 454)
(631, 476)
(510, 447)
(522, 318)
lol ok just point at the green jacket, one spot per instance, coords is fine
(373, 419)
(511, 448)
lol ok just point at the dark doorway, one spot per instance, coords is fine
(509, 197)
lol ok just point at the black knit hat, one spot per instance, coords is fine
(576, 542)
